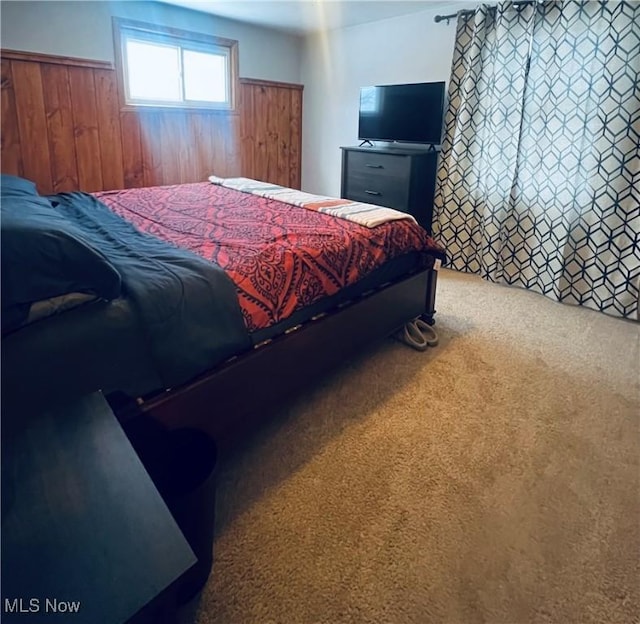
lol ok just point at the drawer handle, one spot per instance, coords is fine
(372, 192)
(374, 166)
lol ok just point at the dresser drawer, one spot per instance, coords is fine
(400, 178)
(379, 165)
(379, 190)
(381, 179)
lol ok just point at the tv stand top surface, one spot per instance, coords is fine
(392, 149)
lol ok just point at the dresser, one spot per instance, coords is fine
(400, 178)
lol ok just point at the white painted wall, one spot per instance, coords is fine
(332, 66)
(83, 29)
(410, 48)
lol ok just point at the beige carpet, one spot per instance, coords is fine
(492, 479)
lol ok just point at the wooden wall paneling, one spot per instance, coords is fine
(10, 137)
(260, 115)
(131, 150)
(32, 124)
(228, 150)
(267, 123)
(295, 144)
(225, 146)
(63, 127)
(204, 134)
(262, 124)
(283, 135)
(108, 109)
(270, 131)
(256, 147)
(188, 147)
(247, 138)
(59, 113)
(85, 118)
(169, 138)
(271, 142)
(151, 149)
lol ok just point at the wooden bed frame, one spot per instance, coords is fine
(228, 400)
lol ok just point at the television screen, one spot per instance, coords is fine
(408, 113)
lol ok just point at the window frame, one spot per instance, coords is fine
(185, 40)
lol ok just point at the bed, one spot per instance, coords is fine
(179, 299)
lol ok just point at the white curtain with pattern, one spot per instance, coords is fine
(539, 179)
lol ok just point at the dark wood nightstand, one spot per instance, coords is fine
(85, 535)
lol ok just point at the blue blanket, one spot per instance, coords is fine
(188, 307)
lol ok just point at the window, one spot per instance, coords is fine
(164, 67)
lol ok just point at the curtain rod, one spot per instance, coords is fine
(441, 18)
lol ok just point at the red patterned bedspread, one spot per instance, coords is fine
(280, 257)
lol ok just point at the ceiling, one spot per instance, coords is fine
(306, 16)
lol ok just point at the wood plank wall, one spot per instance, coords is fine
(63, 127)
(271, 131)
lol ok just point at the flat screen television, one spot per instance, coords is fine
(406, 113)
